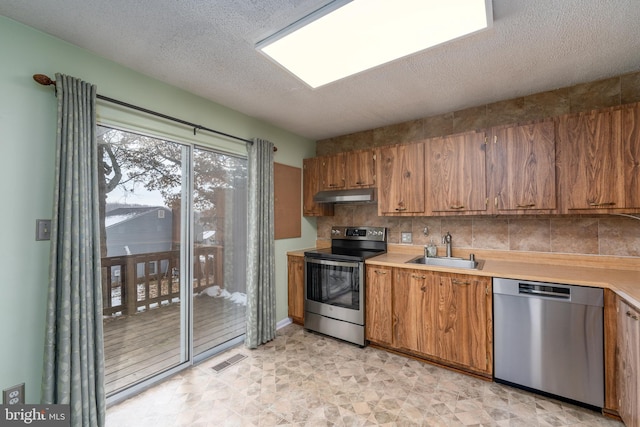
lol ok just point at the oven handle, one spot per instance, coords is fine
(354, 264)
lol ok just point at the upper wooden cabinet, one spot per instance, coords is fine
(521, 168)
(334, 172)
(400, 175)
(628, 364)
(631, 154)
(576, 163)
(598, 159)
(456, 177)
(311, 184)
(361, 169)
(590, 163)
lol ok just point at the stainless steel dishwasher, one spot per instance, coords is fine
(549, 338)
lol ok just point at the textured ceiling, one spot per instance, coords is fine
(207, 47)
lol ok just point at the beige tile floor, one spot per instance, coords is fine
(304, 379)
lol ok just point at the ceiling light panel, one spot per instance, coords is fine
(341, 39)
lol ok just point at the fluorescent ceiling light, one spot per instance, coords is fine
(347, 37)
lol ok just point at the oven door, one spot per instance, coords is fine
(335, 289)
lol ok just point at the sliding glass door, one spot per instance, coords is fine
(219, 249)
(173, 222)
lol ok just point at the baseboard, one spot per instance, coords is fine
(284, 322)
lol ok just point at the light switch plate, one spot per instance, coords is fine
(406, 237)
(43, 229)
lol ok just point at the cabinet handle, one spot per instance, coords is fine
(594, 204)
(401, 209)
(456, 207)
(459, 282)
(380, 272)
(530, 205)
(423, 288)
(359, 183)
(417, 276)
(333, 185)
(632, 315)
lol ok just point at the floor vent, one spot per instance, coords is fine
(230, 361)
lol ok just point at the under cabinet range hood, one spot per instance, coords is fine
(359, 195)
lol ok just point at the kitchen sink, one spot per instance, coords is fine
(447, 262)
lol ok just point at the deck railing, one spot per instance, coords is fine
(140, 282)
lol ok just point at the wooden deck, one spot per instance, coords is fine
(144, 344)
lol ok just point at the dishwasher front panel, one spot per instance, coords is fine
(550, 343)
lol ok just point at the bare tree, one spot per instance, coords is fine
(129, 160)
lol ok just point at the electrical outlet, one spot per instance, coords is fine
(406, 237)
(13, 395)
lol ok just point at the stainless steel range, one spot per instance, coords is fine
(334, 278)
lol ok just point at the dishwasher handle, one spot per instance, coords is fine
(544, 291)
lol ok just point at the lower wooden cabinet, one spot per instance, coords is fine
(295, 272)
(628, 364)
(378, 308)
(414, 311)
(463, 324)
(443, 317)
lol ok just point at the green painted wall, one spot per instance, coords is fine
(27, 148)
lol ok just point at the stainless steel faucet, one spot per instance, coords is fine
(446, 240)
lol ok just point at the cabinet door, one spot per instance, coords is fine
(333, 172)
(378, 306)
(462, 320)
(631, 145)
(401, 179)
(295, 270)
(361, 170)
(590, 167)
(628, 364)
(414, 306)
(522, 167)
(457, 178)
(311, 184)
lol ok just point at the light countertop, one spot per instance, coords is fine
(623, 280)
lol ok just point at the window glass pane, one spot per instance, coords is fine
(142, 187)
(220, 235)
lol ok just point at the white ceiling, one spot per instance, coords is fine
(207, 47)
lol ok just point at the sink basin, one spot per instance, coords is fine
(446, 262)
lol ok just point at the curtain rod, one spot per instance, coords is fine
(46, 81)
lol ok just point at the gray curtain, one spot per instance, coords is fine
(261, 295)
(74, 354)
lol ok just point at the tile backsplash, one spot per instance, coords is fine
(609, 92)
(610, 235)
